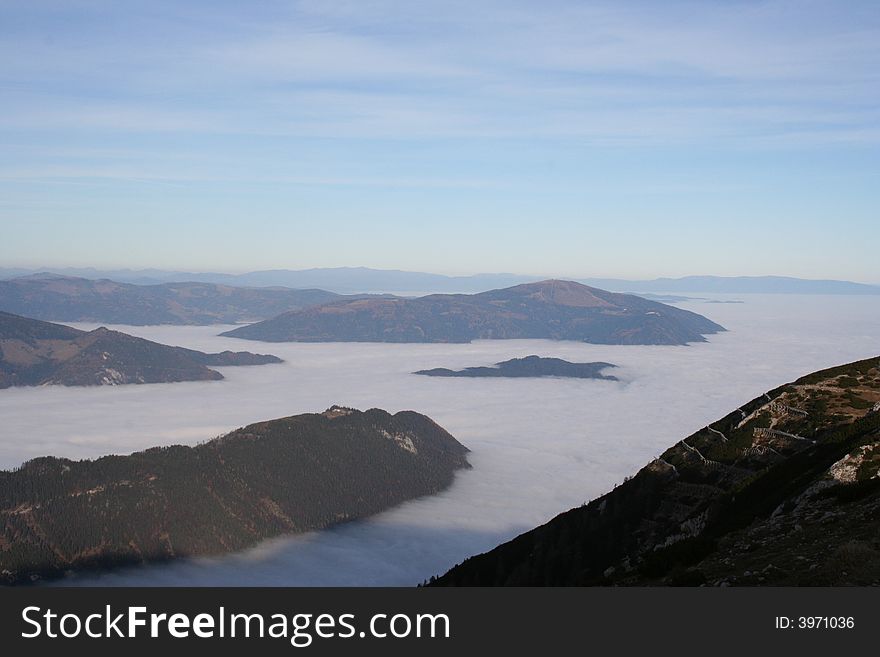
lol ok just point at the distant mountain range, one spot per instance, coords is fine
(284, 476)
(737, 285)
(556, 310)
(348, 280)
(783, 491)
(528, 367)
(65, 299)
(343, 280)
(35, 353)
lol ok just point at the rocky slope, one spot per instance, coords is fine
(784, 490)
(284, 476)
(557, 310)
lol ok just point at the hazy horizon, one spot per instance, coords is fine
(146, 271)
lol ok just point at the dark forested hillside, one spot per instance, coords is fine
(69, 299)
(556, 310)
(283, 476)
(785, 490)
(33, 352)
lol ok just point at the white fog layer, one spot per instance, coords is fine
(539, 446)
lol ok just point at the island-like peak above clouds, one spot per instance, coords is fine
(552, 309)
(559, 292)
(529, 367)
(283, 476)
(33, 352)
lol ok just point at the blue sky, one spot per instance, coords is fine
(631, 139)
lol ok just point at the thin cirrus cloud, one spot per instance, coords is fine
(562, 68)
(562, 112)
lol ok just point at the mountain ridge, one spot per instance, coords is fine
(284, 476)
(67, 299)
(35, 353)
(360, 280)
(552, 309)
(784, 490)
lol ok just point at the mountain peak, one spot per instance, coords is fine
(563, 293)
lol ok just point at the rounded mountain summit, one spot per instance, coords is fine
(552, 309)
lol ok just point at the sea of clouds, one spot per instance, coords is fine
(539, 446)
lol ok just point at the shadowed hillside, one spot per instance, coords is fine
(283, 476)
(36, 353)
(785, 490)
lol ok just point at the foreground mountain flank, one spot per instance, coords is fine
(784, 490)
(284, 476)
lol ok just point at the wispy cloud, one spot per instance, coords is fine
(451, 70)
(560, 111)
